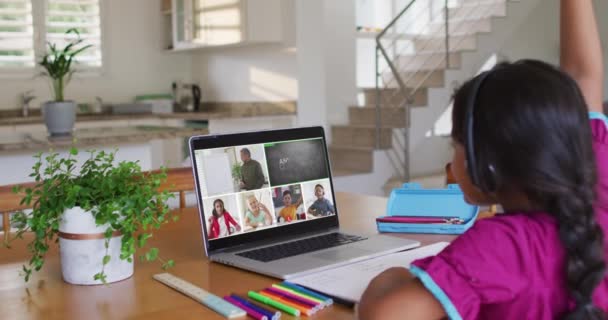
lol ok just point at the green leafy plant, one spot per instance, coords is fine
(118, 195)
(236, 171)
(57, 63)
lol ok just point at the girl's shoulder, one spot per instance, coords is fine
(599, 127)
(513, 225)
(507, 241)
(496, 262)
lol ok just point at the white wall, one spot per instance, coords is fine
(326, 60)
(135, 61)
(265, 72)
(538, 36)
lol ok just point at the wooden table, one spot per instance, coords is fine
(46, 296)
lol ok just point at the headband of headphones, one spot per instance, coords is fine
(472, 165)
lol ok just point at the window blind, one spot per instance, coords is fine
(82, 15)
(16, 34)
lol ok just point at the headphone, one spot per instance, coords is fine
(483, 176)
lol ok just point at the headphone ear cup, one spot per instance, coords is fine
(489, 179)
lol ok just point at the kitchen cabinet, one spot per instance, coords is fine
(213, 23)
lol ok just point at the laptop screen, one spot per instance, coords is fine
(262, 187)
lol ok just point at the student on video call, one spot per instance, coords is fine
(220, 221)
(252, 176)
(321, 207)
(288, 213)
(257, 214)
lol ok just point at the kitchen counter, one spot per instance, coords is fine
(92, 137)
(213, 110)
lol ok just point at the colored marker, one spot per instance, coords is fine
(299, 294)
(275, 304)
(318, 302)
(303, 309)
(298, 288)
(250, 311)
(295, 298)
(271, 314)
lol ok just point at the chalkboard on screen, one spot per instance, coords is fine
(297, 161)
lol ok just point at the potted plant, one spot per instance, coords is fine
(59, 114)
(99, 214)
(236, 172)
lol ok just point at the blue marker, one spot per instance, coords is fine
(328, 300)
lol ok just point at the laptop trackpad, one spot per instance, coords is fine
(342, 254)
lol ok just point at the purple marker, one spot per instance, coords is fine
(269, 313)
(295, 298)
(250, 311)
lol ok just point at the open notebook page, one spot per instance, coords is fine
(348, 282)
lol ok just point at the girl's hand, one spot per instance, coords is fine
(264, 208)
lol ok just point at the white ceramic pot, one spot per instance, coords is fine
(59, 117)
(81, 246)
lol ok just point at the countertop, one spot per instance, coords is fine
(212, 110)
(110, 136)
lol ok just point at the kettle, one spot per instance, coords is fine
(186, 97)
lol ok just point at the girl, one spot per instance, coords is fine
(522, 138)
(220, 221)
(258, 214)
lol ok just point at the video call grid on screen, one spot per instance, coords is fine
(293, 170)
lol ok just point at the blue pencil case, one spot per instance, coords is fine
(412, 202)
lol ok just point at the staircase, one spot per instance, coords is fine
(365, 150)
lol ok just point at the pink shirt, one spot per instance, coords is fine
(512, 266)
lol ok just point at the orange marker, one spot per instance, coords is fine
(304, 309)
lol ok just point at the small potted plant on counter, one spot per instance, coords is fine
(99, 211)
(58, 64)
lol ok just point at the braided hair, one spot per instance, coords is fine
(538, 116)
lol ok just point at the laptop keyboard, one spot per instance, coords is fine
(298, 247)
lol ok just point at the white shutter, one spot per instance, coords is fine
(16, 34)
(84, 16)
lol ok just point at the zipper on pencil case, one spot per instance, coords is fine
(421, 220)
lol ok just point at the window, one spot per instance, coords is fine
(82, 15)
(19, 19)
(16, 34)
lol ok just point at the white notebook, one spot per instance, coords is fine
(348, 282)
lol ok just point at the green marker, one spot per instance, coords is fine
(265, 300)
(300, 294)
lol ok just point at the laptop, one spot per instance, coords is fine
(267, 204)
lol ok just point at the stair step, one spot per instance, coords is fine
(456, 43)
(351, 159)
(478, 10)
(427, 61)
(391, 97)
(366, 116)
(424, 79)
(361, 136)
(461, 27)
